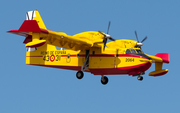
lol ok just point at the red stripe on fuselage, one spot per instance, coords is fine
(34, 56)
(106, 55)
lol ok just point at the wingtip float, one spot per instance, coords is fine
(87, 51)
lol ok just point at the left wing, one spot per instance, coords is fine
(36, 34)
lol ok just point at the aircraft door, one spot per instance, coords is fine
(117, 59)
(99, 60)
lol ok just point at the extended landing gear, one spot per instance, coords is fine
(79, 74)
(104, 80)
(140, 78)
(85, 66)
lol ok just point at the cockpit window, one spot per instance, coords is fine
(139, 51)
(128, 51)
(133, 51)
(136, 52)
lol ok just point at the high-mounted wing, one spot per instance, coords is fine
(36, 35)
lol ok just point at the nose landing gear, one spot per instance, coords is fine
(140, 78)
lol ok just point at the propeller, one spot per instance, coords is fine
(139, 44)
(106, 36)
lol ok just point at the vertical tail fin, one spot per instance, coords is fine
(34, 15)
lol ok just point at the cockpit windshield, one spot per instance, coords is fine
(139, 51)
(130, 51)
(133, 51)
(136, 52)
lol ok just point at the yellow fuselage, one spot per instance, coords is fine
(110, 61)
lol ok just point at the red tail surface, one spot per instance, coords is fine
(164, 57)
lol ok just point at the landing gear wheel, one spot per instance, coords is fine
(104, 80)
(140, 78)
(79, 74)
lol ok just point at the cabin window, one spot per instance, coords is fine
(31, 49)
(93, 53)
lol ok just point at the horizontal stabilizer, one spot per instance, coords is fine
(37, 43)
(34, 15)
(29, 26)
(158, 72)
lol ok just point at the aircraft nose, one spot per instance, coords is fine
(146, 56)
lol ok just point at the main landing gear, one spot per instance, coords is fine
(85, 66)
(79, 74)
(140, 78)
(104, 80)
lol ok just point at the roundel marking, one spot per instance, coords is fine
(52, 58)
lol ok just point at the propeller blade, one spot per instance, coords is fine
(136, 36)
(144, 39)
(101, 33)
(106, 36)
(112, 39)
(108, 27)
(105, 41)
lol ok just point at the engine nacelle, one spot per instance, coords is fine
(139, 44)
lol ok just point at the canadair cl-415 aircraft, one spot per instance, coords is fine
(86, 52)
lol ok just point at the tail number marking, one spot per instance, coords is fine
(129, 59)
(52, 58)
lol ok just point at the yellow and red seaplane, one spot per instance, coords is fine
(86, 51)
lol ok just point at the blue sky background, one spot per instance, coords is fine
(30, 89)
